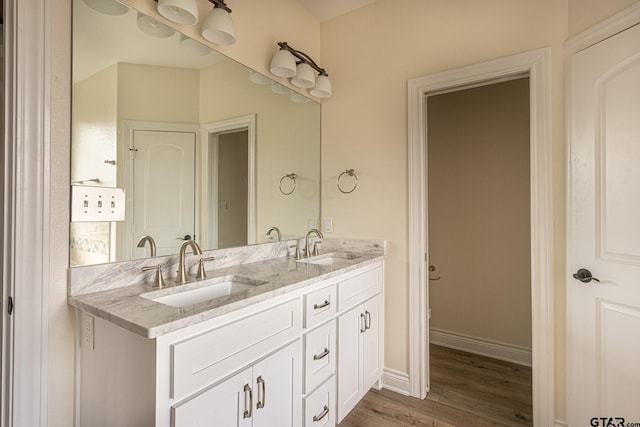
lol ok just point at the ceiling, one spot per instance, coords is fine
(324, 10)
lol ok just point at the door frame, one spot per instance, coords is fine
(613, 25)
(125, 176)
(536, 64)
(213, 129)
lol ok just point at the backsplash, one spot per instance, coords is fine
(102, 277)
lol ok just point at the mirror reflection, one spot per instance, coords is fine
(204, 147)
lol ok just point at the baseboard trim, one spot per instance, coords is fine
(396, 381)
(481, 346)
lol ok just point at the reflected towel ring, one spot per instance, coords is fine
(292, 177)
(349, 172)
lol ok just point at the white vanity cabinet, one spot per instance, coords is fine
(263, 395)
(300, 358)
(360, 360)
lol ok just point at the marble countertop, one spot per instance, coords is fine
(127, 307)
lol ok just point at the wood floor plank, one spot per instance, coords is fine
(466, 390)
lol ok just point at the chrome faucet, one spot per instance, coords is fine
(152, 244)
(182, 273)
(307, 249)
(277, 230)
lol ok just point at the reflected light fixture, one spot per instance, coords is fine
(288, 62)
(179, 11)
(153, 28)
(218, 26)
(193, 47)
(107, 7)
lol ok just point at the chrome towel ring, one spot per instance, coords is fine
(351, 173)
(292, 178)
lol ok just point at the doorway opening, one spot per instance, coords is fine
(479, 247)
(535, 64)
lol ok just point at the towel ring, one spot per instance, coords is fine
(349, 172)
(292, 177)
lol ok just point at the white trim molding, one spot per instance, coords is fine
(481, 346)
(26, 212)
(536, 65)
(396, 381)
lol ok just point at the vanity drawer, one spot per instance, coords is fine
(319, 407)
(320, 305)
(357, 289)
(201, 360)
(319, 355)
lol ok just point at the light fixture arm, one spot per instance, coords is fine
(303, 57)
(221, 4)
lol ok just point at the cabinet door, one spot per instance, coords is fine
(371, 354)
(227, 404)
(277, 384)
(350, 328)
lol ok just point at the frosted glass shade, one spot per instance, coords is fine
(193, 47)
(218, 27)
(279, 89)
(322, 89)
(183, 12)
(108, 7)
(305, 76)
(153, 28)
(283, 64)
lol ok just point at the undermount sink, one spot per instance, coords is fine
(194, 293)
(329, 259)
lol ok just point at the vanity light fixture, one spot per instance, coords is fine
(288, 62)
(152, 27)
(107, 7)
(183, 12)
(218, 26)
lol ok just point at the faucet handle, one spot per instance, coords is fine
(201, 273)
(159, 280)
(297, 252)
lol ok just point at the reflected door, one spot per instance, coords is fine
(163, 189)
(604, 317)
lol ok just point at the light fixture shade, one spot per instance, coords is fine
(193, 47)
(179, 11)
(258, 78)
(305, 76)
(218, 27)
(298, 98)
(322, 89)
(283, 64)
(153, 28)
(279, 89)
(108, 7)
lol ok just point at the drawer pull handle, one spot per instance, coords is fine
(323, 305)
(322, 355)
(248, 412)
(261, 402)
(363, 324)
(367, 323)
(321, 415)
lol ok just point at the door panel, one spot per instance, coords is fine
(163, 188)
(603, 318)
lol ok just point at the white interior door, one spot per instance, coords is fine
(163, 189)
(604, 317)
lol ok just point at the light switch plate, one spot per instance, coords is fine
(96, 203)
(327, 225)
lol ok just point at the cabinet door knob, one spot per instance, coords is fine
(248, 412)
(363, 323)
(323, 305)
(321, 415)
(367, 323)
(262, 400)
(322, 355)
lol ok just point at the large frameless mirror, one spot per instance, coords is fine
(204, 147)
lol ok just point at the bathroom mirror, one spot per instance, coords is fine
(204, 147)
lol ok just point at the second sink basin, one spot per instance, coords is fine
(329, 259)
(194, 293)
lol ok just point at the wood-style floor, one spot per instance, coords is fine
(466, 391)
